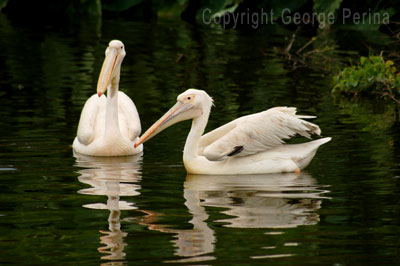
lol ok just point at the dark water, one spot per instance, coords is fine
(57, 209)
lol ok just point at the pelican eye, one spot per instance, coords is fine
(122, 47)
(189, 98)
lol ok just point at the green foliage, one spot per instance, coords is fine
(373, 13)
(325, 7)
(277, 6)
(3, 3)
(216, 8)
(171, 8)
(92, 7)
(371, 76)
(119, 5)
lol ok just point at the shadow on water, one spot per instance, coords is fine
(113, 177)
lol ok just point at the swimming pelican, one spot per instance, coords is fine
(251, 144)
(109, 125)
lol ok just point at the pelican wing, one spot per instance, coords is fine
(131, 120)
(255, 133)
(89, 116)
(215, 135)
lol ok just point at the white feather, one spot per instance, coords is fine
(256, 133)
(110, 125)
(91, 138)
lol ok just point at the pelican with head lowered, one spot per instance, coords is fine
(251, 144)
(109, 126)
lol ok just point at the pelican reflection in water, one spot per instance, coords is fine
(260, 201)
(273, 201)
(112, 177)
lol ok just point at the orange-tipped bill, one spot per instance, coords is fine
(107, 71)
(176, 114)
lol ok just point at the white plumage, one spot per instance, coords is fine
(255, 133)
(110, 125)
(252, 144)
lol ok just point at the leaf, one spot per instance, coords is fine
(373, 75)
(224, 11)
(353, 83)
(389, 63)
(362, 60)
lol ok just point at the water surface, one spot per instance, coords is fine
(61, 208)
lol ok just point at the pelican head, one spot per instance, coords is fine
(190, 105)
(110, 71)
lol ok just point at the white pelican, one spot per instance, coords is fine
(251, 144)
(109, 125)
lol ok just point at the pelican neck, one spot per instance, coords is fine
(112, 125)
(196, 131)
